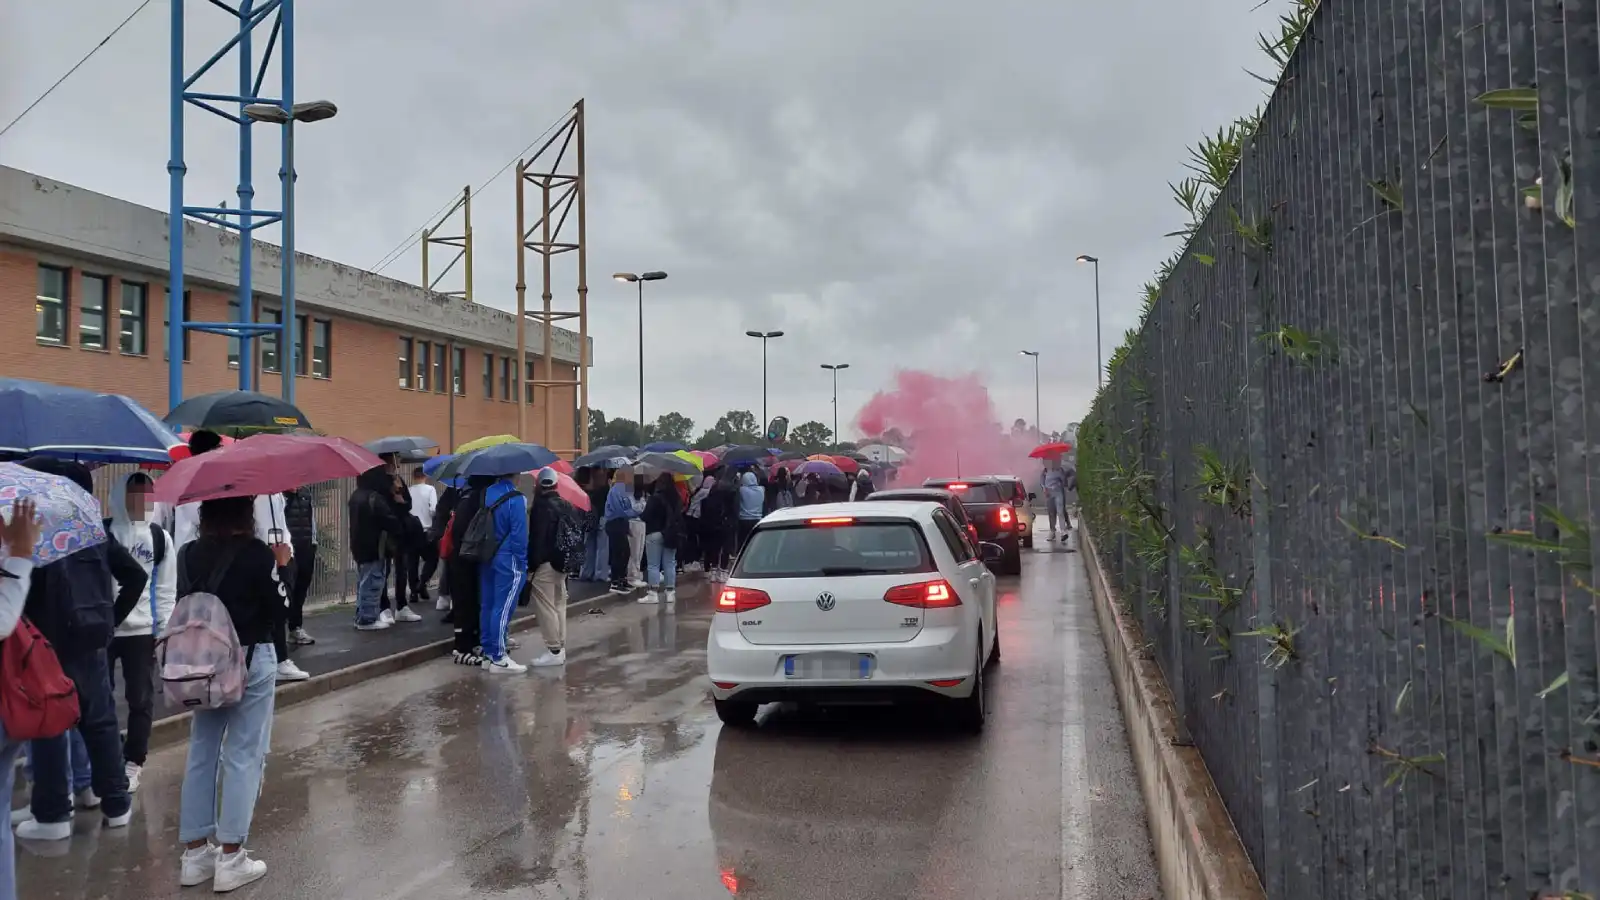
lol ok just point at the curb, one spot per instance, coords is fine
(1197, 847)
(175, 729)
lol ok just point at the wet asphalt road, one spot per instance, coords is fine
(617, 781)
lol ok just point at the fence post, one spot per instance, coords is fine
(1272, 864)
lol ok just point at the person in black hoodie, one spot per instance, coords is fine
(70, 602)
(663, 526)
(373, 524)
(441, 520)
(399, 551)
(546, 569)
(464, 590)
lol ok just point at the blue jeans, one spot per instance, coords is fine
(77, 759)
(369, 587)
(228, 752)
(602, 556)
(101, 742)
(590, 545)
(8, 853)
(661, 561)
(1056, 504)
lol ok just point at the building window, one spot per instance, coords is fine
(50, 306)
(92, 312)
(423, 354)
(132, 318)
(302, 326)
(488, 376)
(458, 378)
(166, 321)
(405, 362)
(321, 348)
(505, 378)
(528, 382)
(269, 340)
(440, 359)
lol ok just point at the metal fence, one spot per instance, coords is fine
(1343, 474)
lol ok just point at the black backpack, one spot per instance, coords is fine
(479, 543)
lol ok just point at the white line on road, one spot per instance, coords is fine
(1077, 875)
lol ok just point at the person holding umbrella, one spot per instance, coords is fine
(1056, 482)
(501, 578)
(663, 522)
(546, 567)
(619, 511)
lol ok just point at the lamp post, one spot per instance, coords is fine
(1038, 423)
(640, 280)
(286, 114)
(835, 369)
(764, 336)
(1100, 361)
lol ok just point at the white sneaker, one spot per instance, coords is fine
(199, 865)
(288, 671)
(378, 625)
(20, 815)
(505, 665)
(441, 603)
(639, 583)
(406, 614)
(386, 615)
(35, 830)
(671, 596)
(134, 770)
(513, 644)
(85, 799)
(650, 599)
(236, 870)
(550, 659)
(619, 589)
(299, 637)
(119, 821)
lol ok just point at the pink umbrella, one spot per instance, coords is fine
(262, 464)
(706, 456)
(568, 490)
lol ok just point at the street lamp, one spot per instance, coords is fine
(1038, 424)
(278, 114)
(835, 369)
(764, 336)
(1100, 361)
(640, 280)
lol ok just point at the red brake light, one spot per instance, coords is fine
(834, 520)
(1005, 515)
(924, 595)
(738, 599)
(956, 487)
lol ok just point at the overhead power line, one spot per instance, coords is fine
(79, 64)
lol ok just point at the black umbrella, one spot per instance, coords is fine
(746, 454)
(228, 412)
(791, 454)
(600, 454)
(402, 445)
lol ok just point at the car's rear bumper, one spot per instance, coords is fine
(741, 670)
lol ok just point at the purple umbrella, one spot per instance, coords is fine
(817, 467)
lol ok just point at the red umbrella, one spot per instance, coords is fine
(262, 464)
(1045, 451)
(846, 464)
(568, 490)
(562, 466)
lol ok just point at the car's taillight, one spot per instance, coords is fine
(925, 595)
(832, 520)
(1005, 515)
(738, 599)
(956, 487)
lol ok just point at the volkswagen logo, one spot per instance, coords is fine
(825, 601)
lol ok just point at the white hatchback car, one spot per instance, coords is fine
(844, 603)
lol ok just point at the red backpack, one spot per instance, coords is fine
(37, 699)
(447, 541)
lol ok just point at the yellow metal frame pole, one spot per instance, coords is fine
(522, 298)
(583, 293)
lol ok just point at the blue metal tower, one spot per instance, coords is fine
(246, 218)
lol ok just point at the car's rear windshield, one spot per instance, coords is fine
(976, 492)
(821, 551)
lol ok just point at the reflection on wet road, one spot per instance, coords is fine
(616, 781)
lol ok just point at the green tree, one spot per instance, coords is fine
(622, 431)
(708, 439)
(738, 426)
(597, 427)
(673, 427)
(810, 436)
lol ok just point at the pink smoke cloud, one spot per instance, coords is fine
(950, 427)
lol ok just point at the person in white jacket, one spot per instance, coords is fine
(133, 645)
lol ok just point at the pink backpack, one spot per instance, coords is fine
(201, 663)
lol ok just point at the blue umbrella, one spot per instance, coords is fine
(38, 419)
(663, 447)
(746, 455)
(501, 459)
(432, 466)
(817, 467)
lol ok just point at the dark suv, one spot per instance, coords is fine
(989, 509)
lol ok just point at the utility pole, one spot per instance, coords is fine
(835, 369)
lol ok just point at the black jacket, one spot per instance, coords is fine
(663, 513)
(544, 529)
(299, 513)
(251, 588)
(372, 515)
(70, 600)
(441, 514)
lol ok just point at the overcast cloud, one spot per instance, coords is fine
(894, 183)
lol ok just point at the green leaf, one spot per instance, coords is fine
(1487, 639)
(1205, 259)
(1558, 684)
(1529, 121)
(1389, 194)
(1534, 191)
(1400, 701)
(1525, 99)
(1564, 190)
(1523, 540)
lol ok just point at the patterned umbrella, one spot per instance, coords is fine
(69, 515)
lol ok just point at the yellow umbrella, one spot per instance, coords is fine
(820, 457)
(691, 458)
(494, 440)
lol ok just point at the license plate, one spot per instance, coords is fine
(829, 666)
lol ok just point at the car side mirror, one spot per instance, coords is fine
(1032, 496)
(992, 553)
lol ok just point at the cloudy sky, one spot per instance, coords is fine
(893, 183)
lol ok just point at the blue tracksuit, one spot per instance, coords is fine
(500, 581)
